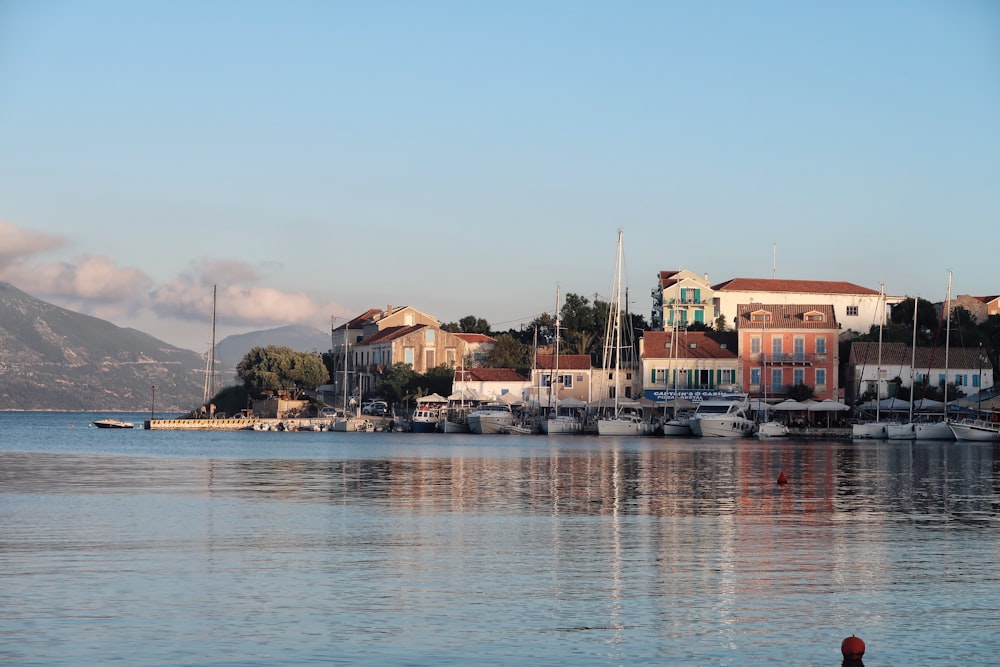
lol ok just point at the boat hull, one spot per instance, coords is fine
(771, 430)
(113, 423)
(562, 426)
(901, 432)
(870, 431)
(727, 426)
(489, 424)
(977, 430)
(423, 426)
(934, 431)
(677, 427)
(625, 427)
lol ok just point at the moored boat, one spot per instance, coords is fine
(722, 419)
(491, 418)
(980, 430)
(113, 423)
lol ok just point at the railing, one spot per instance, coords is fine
(788, 358)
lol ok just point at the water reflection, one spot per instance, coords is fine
(922, 483)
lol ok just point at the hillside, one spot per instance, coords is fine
(55, 359)
(231, 349)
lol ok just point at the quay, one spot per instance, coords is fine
(249, 424)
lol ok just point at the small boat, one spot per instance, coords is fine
(771, 429)
(113, 423)
(491, 418)
(425, 418)
(976, 429)
(722, 419)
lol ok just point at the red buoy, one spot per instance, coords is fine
(782, 479)
(852, 648)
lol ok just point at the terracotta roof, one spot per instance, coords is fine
(987, 299)
(667, 278)
(568, 362)
(491, 375)
(476, 338)
(691, 345)
(360, 320)
(802, 286)
(785, 316)
(391, 333)
(898, 354)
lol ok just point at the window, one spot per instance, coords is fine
(776, 346)
(800, 347)
(408, 355)
(775, 378)
(814, 317)
(820, 345)
(728, 376)
(852, 311)
(546, 380)
(567, 381)
(755, 377)
(799, 376)
(430, 336)
(754, 344)
(820, 377)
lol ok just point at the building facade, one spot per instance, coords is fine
(781, 346)
(694, 365)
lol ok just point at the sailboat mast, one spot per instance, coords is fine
(878, 369)
(947, 344)
(617, 318)
(209, 390)
(553, 389)
(913, 354)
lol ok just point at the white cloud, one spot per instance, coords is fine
(17, 244)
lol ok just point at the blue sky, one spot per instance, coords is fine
(316, 159)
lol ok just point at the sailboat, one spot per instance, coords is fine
(679, 424)
(940, 430)
(626, 418)
(876, 429)
(907, 431)
(346, 421)
(562, 419)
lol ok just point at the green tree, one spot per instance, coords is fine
(468, 324)
(800, 392)
(577, 314)
(508, 353)
(279, 368)
(392, 386)
(721, 324)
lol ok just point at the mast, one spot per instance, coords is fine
(913, 354)
(553, 389)
(209, 390)
(947, 344)
(617, 331)
(878, 369)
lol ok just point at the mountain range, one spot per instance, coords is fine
(52, 358)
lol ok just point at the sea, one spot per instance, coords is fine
(136, 547)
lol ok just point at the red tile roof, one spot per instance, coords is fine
(569, 362)
(360, 320)
(490, 375)
(690, 345)
(391, 333)
(898, 354)
(784, 316)
(476, 338)
(803, 286)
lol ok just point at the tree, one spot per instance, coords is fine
(468, 324)
(508, 353)
(800, 392)
(394, 381)
(720, 323)
(278, 368)
(577, 314)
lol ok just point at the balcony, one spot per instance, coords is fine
(789, 358)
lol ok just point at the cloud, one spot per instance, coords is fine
(16, 244)
(189, 297)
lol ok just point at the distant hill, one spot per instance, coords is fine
(231, 349)
(55, 359)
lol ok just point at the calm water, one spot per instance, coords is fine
(247, 548)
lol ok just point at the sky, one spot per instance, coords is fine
(316, 159)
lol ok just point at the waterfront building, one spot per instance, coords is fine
(693, 365)
(785, 345)
(969, 369)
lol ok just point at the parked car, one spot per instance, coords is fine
(375, 408)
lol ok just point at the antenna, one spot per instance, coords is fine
(774, 259)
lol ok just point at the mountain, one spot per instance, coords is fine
(231, 349)
(55, 359)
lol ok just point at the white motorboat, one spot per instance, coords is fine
(113, 423)
(626, 422)
(722, 419)
(771, 429)
(491, 418)
(976, 429)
